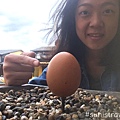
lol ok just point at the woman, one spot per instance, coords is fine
(88, 29)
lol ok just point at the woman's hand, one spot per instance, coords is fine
(18, 69)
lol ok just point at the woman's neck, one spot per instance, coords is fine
(94, 56)
(93, 59)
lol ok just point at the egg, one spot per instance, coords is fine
(63, 74)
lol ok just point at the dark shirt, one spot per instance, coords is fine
(109, 81)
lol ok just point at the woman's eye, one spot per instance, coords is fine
(108, 11)
(84, 13)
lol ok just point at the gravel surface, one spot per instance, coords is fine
(41, 104)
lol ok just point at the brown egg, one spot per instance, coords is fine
(63, 74)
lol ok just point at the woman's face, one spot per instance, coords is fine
(97, 22)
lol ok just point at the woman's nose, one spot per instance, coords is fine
(96, 21)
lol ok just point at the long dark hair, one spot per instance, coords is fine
(64, 20)
(64, 28)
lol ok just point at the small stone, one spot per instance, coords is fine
(0, 113)
(74, 116)
(19, 99)
(24, 118)
(1, 118)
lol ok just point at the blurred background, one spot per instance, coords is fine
(21, 22)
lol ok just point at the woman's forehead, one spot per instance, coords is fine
(98, 2)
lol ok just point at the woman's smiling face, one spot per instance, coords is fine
(97, 22)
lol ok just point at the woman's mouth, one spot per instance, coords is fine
(95, 36)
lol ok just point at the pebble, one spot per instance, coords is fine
(0, 113)
(0, 117)
(24, 118)
(74, 116)
(19, 99)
